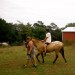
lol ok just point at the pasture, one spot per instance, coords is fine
(13, 58)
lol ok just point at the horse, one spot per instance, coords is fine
(56, 46)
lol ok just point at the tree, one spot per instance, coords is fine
(39, 24)
(68, 25)
(16, 33)
(4, 30)
(53, 26)
(39, 30)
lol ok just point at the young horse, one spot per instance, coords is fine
(56, 46)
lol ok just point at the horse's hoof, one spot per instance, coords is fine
(66, 63)
(43, 62)
(53, 62)
(24, 66)
(34, 66)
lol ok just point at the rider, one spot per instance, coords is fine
(30, 52)
(47, 40)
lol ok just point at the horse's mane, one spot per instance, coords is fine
(36, 39)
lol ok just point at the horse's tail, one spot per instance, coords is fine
(62, 53)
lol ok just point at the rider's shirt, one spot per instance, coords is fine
(48, 35)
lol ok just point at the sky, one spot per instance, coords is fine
(61, 12)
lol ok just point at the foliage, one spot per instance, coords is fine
(68, 25)
(16, 33)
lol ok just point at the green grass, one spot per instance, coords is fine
(13, 58)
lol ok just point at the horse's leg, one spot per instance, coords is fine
(62, 53)
(37, 57)
(55, 58)
(42, 57)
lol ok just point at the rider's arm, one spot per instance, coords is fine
(45, 38)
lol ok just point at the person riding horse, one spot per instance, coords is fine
(47, 40)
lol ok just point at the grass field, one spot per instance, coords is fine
(13, 58)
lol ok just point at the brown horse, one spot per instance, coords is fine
(56, 46)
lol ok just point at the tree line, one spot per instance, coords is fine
(14, 34)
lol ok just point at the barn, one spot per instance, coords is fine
(68, 34)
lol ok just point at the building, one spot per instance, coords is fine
(68, 34)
